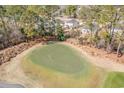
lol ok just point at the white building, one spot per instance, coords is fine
(72, 23)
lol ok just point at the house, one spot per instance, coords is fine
(84, 30)
(72, 23)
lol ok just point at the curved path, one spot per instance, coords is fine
(7, 85)
(12, 71)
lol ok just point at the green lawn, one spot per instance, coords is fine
(60, 58)
(58, 65)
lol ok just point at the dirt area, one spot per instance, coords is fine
(8, 53)
(12, 72)
(98, 52)
(99, 57)
(11, 52)
(103, 54)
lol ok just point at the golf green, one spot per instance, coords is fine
(59, 65)
(60, 58)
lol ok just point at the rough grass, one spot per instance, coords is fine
(52, 78)
(114, 80)
(57, 65)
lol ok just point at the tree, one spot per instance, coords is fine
(28, 21)
(3, 24)
(104, 16)
(59, 32)
(90, 14)
(71, 11)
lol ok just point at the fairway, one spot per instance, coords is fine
(115, 80)
(59, 65)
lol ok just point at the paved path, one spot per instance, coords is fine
(7, 85)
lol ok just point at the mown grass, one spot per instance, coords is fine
(114, 80)
(59, 57)
(57, 65)
(52, 78)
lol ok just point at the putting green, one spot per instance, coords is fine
(60, 58)
(58, 65)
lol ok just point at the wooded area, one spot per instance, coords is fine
(24, 23)
(105, 24)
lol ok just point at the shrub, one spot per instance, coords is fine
(59, 32)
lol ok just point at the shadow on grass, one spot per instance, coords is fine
(51, 42)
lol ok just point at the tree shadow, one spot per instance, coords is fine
(49, 42)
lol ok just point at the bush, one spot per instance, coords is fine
(60, 33)
(61, 37)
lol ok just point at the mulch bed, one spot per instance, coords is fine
(11, 52)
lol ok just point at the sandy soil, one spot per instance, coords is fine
(98, 60)
(12, 71)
